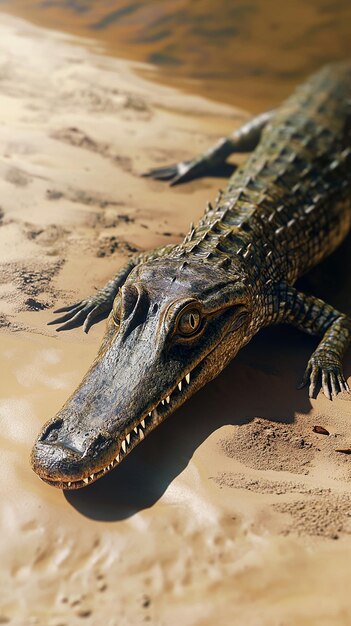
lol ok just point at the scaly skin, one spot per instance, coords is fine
(178, 315)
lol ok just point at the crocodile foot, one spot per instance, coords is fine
(189, 170)
(180, 172)
(325, 368)
(83, 313)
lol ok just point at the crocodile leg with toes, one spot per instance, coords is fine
(178, 315)
(244, 139)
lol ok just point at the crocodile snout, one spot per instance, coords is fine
(56, 461)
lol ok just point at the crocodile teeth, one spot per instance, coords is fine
(124, 446)
(91, 476)
(143, 422)
(117, 458)
(187, 378)
(180, 386)
(128, 439)
(86, 480)
(141, 434)
(135, 430)
(149, 416)
(168, 399)
(69, 484)
(163, 402)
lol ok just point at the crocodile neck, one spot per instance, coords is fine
(183, 312)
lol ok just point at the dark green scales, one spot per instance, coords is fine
(179, 314)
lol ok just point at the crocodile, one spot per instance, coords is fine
(179, 314)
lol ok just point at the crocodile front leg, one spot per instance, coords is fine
(244, 139)
(92, 309)
(315, 317)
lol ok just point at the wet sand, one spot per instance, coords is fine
(233, 510)
(250, 54)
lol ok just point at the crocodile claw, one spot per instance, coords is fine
(325, 371)
(83, 313)
(162, 173)
(180, 172)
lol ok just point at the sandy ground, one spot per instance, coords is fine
(249, 54)
(234, 511)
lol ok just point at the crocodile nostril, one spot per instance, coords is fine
(56, 462)
(51, 433)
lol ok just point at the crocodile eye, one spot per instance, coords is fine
(117, 310)
(189, 322)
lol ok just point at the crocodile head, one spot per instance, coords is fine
(174, 326)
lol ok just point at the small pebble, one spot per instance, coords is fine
(320, 430)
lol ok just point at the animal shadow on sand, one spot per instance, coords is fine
(260, 382)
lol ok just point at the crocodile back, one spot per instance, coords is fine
(289, 204)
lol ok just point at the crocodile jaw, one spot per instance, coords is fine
(131, 437)
(141, 375)
(128, 437)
